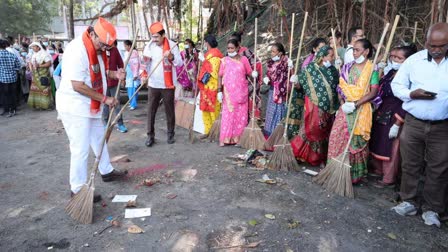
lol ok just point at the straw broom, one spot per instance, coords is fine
(191, 136)
(80, 207)
(389, 43)
(283, 157)
(336, 177)
(252, 137)
(277, 134)
(213, 135)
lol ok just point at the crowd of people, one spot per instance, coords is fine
(400, 135)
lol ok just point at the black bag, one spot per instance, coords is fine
(206, 78)
(44, 81)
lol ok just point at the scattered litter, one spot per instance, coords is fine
(293, 224)
(151, 181)
(379, 228)
(50, 248)
(260, 162)
(270, 216)
(392, 236)
(292, 192)
(131, 204)
(171, 196)
(109, 218)
(137, 213)
(124, 198)
(188, 174)
(120, 159)
(310, 172)
(369, 230)
(86, 245)
(265, 179)
(253, 222)
(103, 204)
(136, 122)
(289, 250)
(142, 219)
(250, 245)
(134, 229)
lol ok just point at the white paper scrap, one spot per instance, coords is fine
(137, 213)
(310, 172)
(124, 198)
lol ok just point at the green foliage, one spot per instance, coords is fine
(26, 16)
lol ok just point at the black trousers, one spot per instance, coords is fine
(8, 96)
(155, 95)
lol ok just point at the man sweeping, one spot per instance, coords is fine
(162, 80)
(81, 98)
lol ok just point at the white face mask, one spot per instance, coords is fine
(360, 59)
(327, 64)
(187, 46)
(232, 54)
(395, 65)
(276, 58)
(45, 43)
(51, 51)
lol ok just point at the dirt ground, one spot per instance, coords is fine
(202, 202)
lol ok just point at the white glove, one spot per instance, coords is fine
(348, 107)
(290, 64)
(219, 97)
(201, 56)
(338, 63)
(393, 132)
(254, 74)
(266, 80)
(294, 78)
(382, 65)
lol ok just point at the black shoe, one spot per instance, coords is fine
(149, 142)
(12, 113)
(96, 197)
(114, 175)
(170, 140)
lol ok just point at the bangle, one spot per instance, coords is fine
(104, 99)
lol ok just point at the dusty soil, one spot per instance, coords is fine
(203, 201)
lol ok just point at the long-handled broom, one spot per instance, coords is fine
(191, 136)
(252, 137)
(283, 157)
(336, 177)
(80, 207)
(213, 135)
(277, 134)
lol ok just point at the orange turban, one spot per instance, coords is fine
(105, 31)
(156, 27)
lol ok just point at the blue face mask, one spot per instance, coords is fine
(51, 51)
(45, 43)
(23, 54)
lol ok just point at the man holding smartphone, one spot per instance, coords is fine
(421, 83)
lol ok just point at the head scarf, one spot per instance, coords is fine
(41, 56)
(320, 82)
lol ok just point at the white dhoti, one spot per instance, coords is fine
(84, 132)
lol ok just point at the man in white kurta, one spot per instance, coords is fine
(73, 102)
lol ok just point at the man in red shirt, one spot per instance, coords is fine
(115, 64)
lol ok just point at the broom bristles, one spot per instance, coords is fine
(276, 137)
(283, 157)
(213, 135)
(252, 137)
(80, 207)
(336, 177)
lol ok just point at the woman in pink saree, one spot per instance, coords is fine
(233, 84)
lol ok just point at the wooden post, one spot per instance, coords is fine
(415, 32)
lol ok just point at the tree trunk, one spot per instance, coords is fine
(71, 22)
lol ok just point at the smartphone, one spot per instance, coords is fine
(430, 93)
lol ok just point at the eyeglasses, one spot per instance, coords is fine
(103, 45)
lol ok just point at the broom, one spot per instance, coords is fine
(277, 134)
(191, 136)
(213, 135)
(336, 177)
(335, 47)
(252, 137)
(283, 157)
(389, 43)
(80, 206)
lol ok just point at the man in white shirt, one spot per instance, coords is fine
(354, 34)
(80, 100)
(421, 83)
(163, 80)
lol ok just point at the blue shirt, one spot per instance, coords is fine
(420, 72)
(9, 65)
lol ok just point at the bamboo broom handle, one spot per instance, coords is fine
(255, 69)
(366, 89)
(333, 35)
(290, 54)
(389, 42)
(295, 72)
